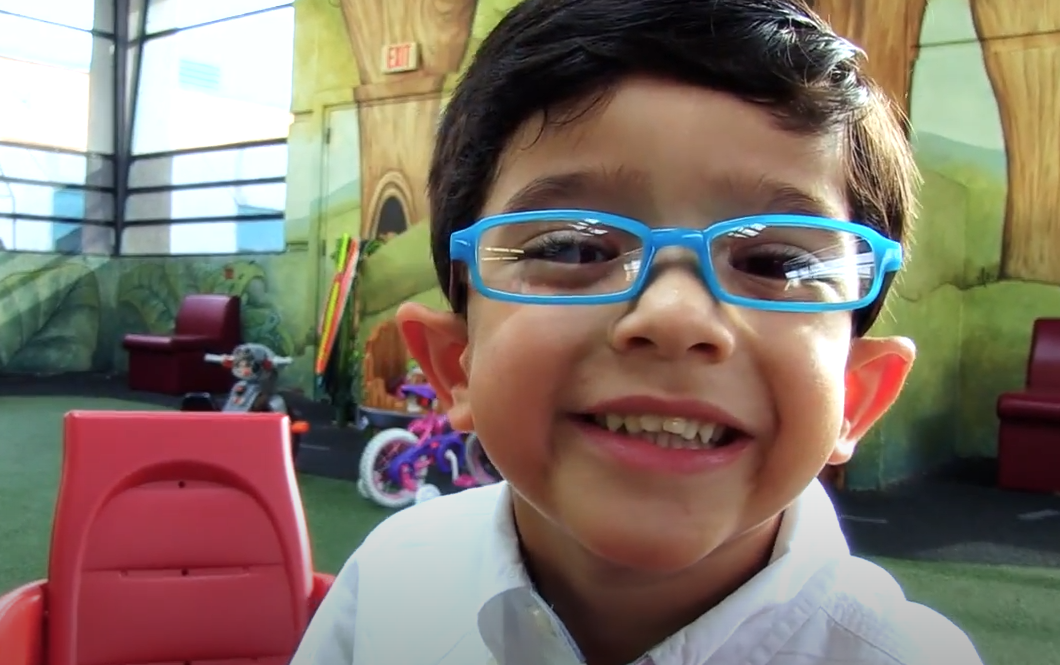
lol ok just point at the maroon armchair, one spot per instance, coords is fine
(173, 364)
(1028, 451)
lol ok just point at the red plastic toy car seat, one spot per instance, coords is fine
(178, 537)
(22, 626)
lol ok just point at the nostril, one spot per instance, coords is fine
(704, 348)
(633, 343)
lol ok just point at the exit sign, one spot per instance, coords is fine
(399, 58)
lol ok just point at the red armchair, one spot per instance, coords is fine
(177, 538)
(1028, 451)
(173, 364)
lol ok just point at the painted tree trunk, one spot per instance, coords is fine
(888, 32)
(1021, 48)
(384, 365)
(441, 28)
(398, 112)
(397, 137)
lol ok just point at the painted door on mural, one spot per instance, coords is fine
(341, 189)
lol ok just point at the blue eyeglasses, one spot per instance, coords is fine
(788, 263)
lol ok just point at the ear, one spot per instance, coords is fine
(876, 371)
(438, 342)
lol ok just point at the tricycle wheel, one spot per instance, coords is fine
(379, 485)
(426, 492)
(478, 463)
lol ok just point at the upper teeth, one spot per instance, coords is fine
(685, 429)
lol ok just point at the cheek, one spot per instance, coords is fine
(519, 362)
(806, 371)
(806, 364)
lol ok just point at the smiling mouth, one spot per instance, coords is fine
(668, 431)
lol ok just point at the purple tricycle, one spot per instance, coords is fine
(395, 461)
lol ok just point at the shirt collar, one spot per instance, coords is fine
(504, 567)
(518, 626)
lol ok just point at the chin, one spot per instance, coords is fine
(646, 544)
(635, 550)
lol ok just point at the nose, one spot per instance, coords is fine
(674, 317)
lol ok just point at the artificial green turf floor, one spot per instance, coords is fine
(1010, 612)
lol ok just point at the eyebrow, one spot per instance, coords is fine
(764, 194)
(546, 191)
(775, 196)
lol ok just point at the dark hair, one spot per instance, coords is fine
(545, 55)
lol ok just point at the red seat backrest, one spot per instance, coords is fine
(1043, 367)
(210, 315)
(178, 538)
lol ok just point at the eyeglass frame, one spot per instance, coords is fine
(887, 256)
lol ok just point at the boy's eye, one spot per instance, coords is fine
(568, 248)
(779, 262)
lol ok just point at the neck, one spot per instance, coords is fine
(615, 615)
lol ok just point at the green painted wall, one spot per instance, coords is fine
(69, 314)
(971, 324)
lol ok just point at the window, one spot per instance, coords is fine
(211, 118)
(199, 76)
(52, 77)
(68, 203)
(221, 202)
(150, 230)
(244, 163)
(48, 73)
(204, 90)
(267, 235)
(20, 199)
(248, 79)
(55, 166)
(73, 13)
(260, 235)
(39, 185)
(165, 15)
(36, 236)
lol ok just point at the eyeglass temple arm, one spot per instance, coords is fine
(457, 290)
(865, 317)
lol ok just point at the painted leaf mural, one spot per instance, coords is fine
(262, 322)
(237, 278)
(149, 295)
(49, 317)
(263, 325)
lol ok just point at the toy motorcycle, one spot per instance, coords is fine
(256, 369)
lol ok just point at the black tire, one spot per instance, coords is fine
(198, 402)
(478, 462)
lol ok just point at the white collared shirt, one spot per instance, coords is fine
(443, 583)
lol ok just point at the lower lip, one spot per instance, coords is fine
(643, 455)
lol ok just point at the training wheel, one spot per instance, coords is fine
(426, 492)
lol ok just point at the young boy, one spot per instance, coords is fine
(665, 227)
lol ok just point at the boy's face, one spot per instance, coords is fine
(522, 376)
